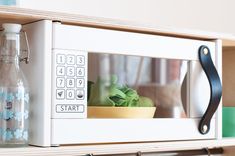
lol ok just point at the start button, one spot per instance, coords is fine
(69, 108)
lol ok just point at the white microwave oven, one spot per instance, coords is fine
(80, 76)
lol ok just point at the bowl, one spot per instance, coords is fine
(120, 112)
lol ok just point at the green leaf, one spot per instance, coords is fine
(119, 101)
(113, 95)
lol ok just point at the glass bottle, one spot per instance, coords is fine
(14, 95)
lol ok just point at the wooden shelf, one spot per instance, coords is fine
(100, 149)
(23, 16)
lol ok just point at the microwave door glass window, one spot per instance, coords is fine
(122, 86)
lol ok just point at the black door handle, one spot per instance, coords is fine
(215, 88)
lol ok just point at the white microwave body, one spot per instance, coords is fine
(58, 75)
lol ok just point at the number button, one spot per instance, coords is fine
(70, 94)
(60, 94)
(60, 59)
(60, 71)
(70, 83)
(70, 59)
(60, 82)
(70, 71)
(80, 94)
(80, 72)
(80, 60)
(80, 83)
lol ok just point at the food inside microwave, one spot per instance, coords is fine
(114, 95)
(118, 83)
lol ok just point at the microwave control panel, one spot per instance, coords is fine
(69, 84)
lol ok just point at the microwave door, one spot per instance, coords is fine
(122, 71)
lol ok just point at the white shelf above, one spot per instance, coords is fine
(100, 149)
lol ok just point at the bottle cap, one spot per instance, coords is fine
(12, 29)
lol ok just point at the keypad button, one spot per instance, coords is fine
(70, 59)
(60, 82)
(60, 94)
(80, 72)
(80, 83)
(70, 71)
(70, 94)
(80, 60)
(60, 71)
(60, 59)
(80, 94)
(70, 83)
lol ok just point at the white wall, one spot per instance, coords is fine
(209, 15)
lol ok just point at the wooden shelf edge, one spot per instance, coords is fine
(25, 15)
(100, 149)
